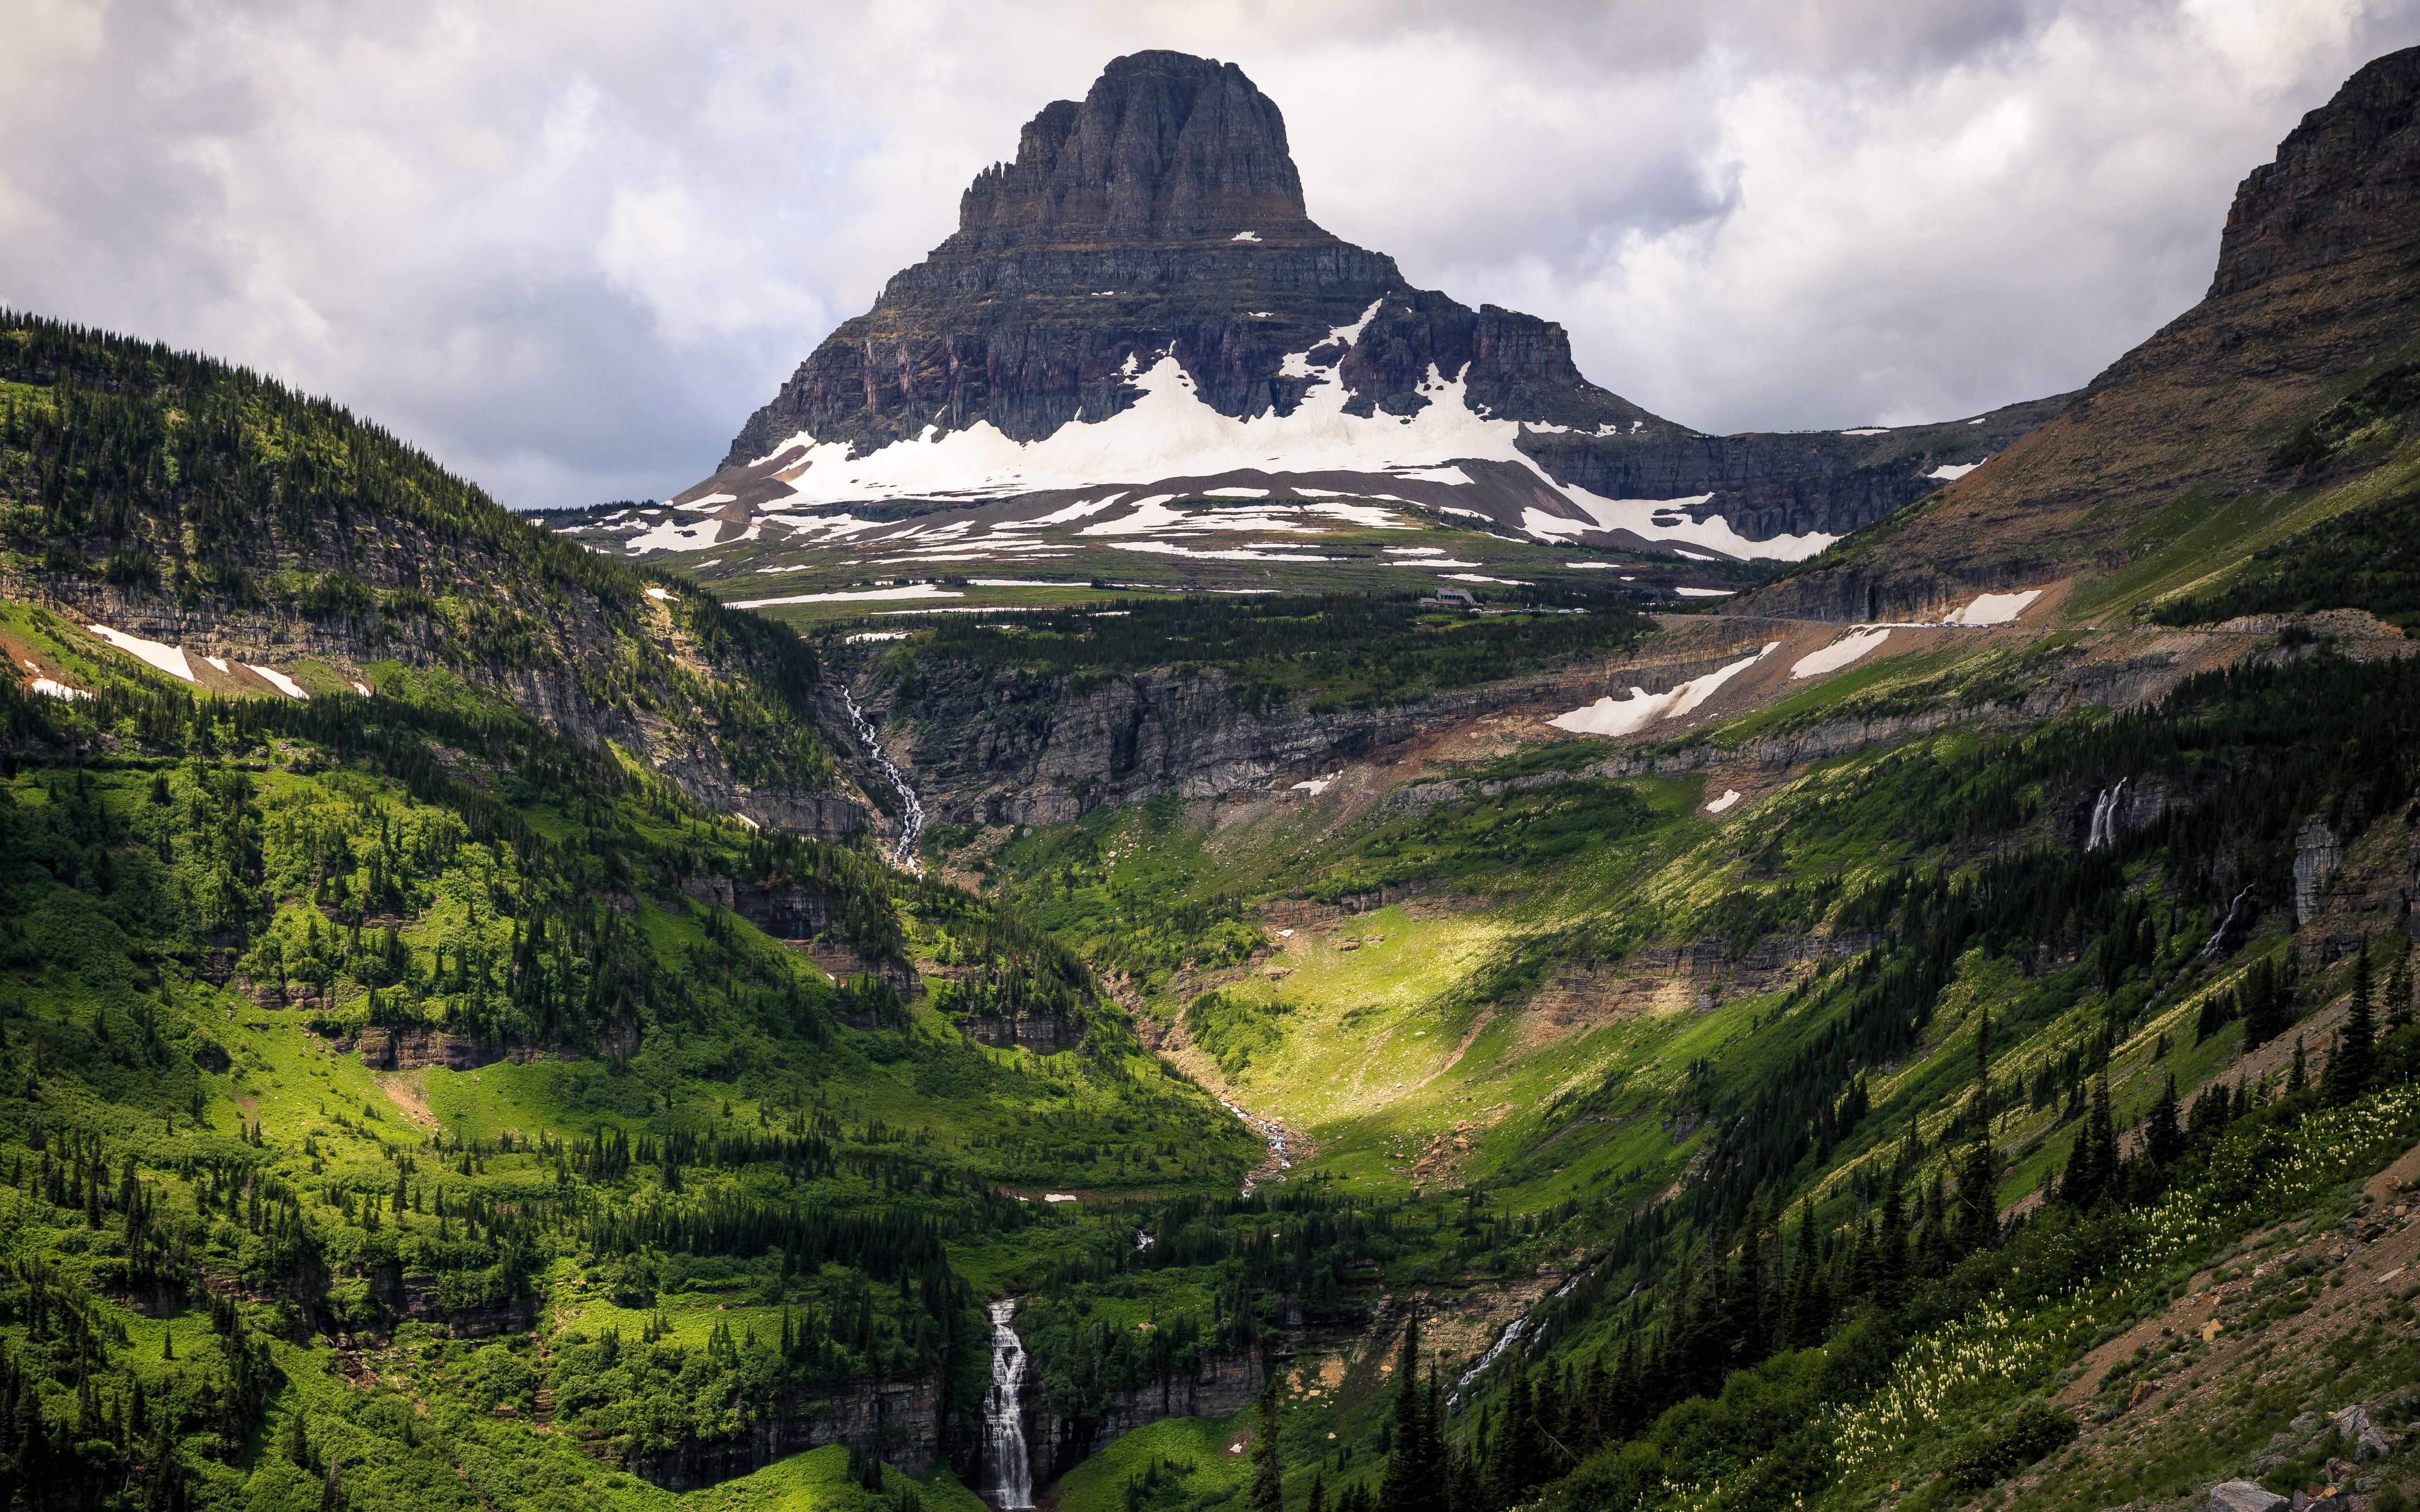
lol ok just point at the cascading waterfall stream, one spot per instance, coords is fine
(1008, 1480)
(912, 807)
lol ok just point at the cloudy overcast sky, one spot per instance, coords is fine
(569, 247)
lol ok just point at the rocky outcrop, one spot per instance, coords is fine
(1225, 1385)
(2335, 177)
(899, 1419)
(998, 748)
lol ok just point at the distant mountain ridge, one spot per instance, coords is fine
(2313, 298)
(1141, 299)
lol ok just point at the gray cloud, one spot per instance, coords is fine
(569, 247)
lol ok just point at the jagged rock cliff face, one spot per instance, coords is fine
(1162, 218)
(1226, 1385)
(996, 748)
(900, 1419)
(2315, 286)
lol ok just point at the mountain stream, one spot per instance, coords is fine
(912, 807)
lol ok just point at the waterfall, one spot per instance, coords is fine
(912, 807)
(1008, 1480)
(2105, 817)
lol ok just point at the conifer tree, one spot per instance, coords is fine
(1268, 1478)
(2092, 1162)
(1890, 1264)
(2267, 1004)
(1516, 1458)
(1808, 1300)
(1412, 1480)
(2296, 1077)
(1978, 1206)
(2355, 1061)
(2164, 1139)
(2398, 990)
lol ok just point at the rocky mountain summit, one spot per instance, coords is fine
(2309, 308)
(1141, 299)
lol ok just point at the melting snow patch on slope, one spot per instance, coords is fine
(1952, 471)
(1705, 593)
(1609, 716)
(1648, 519)
(1318, 785)
(49, 688)
(1730, 796)
(660, 596)
(1170, 548)
(1151, 512)
(913, 590)
(278, 679)
(1169, 431)
(1244, 236)
(1839, 653)
(1475, 578)
(165, 657)
(1995, 608)
(1868, 430)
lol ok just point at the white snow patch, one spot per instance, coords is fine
(49, 688)
(1952, 471)
(1058, 1196)
(361, 688)
(217, 662)
(1244, 236)
(662, 596)
(1416, 550)
(1692, 556)
(863, 636)
(1705, 593)
(1995, 608)
(1730, 796)
(1976, 421)
(1475, 578)
(165, 657)
(1609, 716)
(1318, 785)
(1839, 653)
(1234, 493)
(1151, 512)
(1170, 548)
(278, 679)
(1868, 430)
(675, 534)
(1027, 582)
(1593, 566)
(1381, 519)
(913, 590)
(1640, 516)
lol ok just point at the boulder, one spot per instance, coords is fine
(2363, 1439)
(2243, 1496)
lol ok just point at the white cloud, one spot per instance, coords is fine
(569, 248)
